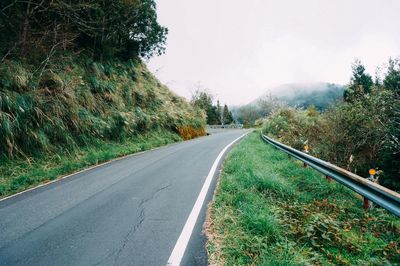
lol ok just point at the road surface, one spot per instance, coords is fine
(128, 212)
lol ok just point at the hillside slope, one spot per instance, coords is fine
(77, 102)
(78, 105)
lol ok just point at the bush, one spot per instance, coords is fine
(354, 136)
(189, 132)
(297, 128)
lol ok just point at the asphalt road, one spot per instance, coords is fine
(127, 212)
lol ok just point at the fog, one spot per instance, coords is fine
(241, 49)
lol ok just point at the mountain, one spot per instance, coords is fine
(320, 94)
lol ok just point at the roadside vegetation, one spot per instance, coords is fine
(269, 210)
(358, 134)
(76, 92)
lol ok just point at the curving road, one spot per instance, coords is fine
(128, 212)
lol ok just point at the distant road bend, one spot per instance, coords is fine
(134, 211)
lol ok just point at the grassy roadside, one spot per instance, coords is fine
(18, 175)
(268, 210)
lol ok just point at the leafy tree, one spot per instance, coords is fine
(391, 154)
(360, 83)
(204, 100)
(37, 29)
(392, 79)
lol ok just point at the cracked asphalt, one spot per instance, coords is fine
(127, 212)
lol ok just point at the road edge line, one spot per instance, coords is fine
(93, 167)
(183, 240)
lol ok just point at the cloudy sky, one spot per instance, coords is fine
(239, 49)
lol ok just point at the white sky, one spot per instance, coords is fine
(240, 49)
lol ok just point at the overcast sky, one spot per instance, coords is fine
(240, 49)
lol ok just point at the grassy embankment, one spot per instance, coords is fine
(269, 210)
(78, 113)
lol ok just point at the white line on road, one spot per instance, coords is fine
(88, 169)
(183, 240)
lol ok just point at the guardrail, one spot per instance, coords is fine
(226, 126)
(384, 197)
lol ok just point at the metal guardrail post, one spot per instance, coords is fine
(329, 179)
(382, 196)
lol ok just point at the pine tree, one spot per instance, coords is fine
(228, 119)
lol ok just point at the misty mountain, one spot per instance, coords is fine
(320, 94)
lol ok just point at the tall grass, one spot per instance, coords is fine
(73, 104)
(269, 210)
(78, 104)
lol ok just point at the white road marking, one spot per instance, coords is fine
(88, 169)
(183, 240)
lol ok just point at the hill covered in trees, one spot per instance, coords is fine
(321, 95)
(302, 95)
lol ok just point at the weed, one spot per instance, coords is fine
(269, 210)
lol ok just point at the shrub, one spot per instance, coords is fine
(189, 132)
(51, 80)
(297, 128)
(354, 136)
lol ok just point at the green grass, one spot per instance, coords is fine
(80, 112)
(20, 174)
(78, 102)
(269, 210)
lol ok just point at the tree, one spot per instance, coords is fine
(262, 108)
(220, 113)
(360, 83)
(34, 29)
(392, 78)
(391, 153)
(227, 115)
(248, 114)
(204, 100)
